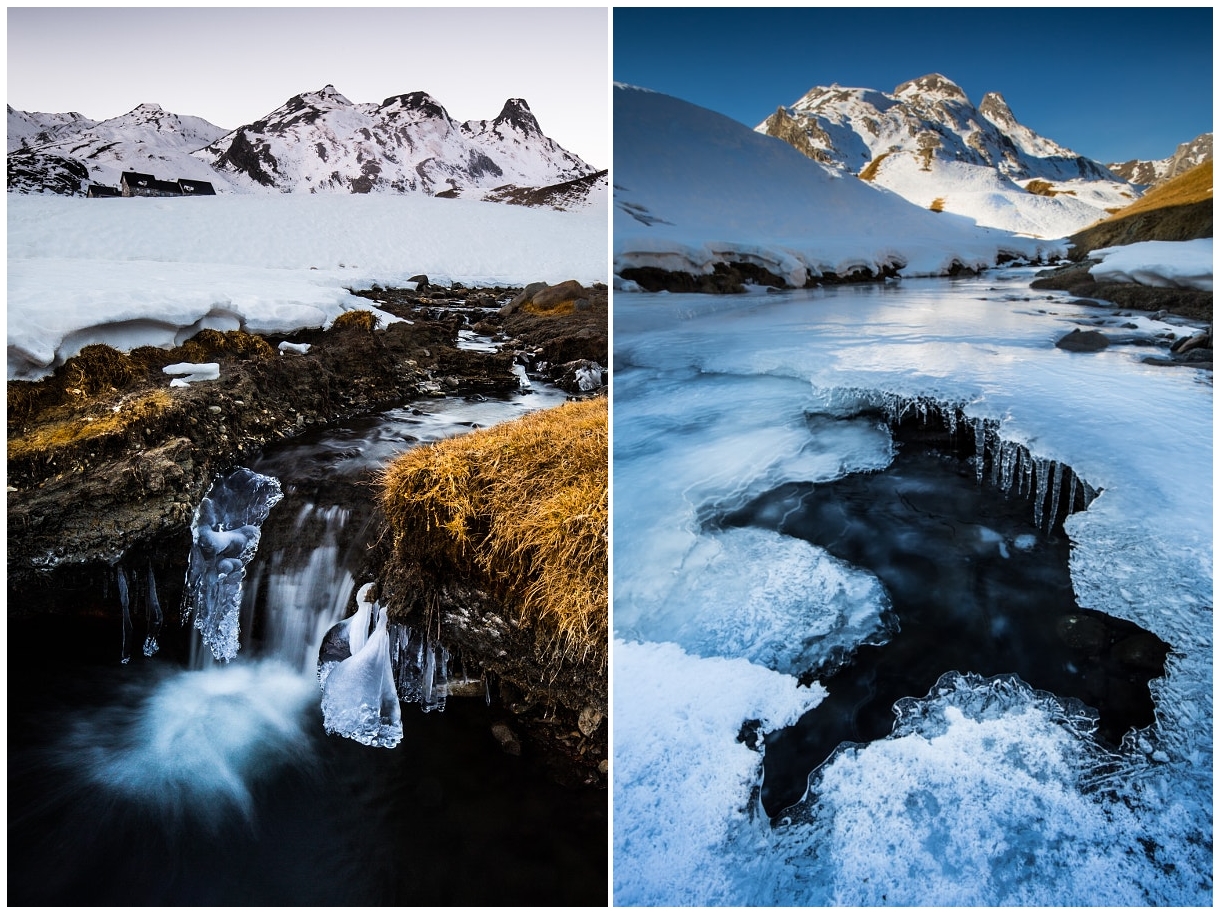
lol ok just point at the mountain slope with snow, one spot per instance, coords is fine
(322, 142)
(694, 189)
(316, 142)
(927, 142)
(1184, 158)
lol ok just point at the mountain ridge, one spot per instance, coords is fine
(928, 142)
(316, 142)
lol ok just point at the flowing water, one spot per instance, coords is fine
(910, 606)
(178, 780)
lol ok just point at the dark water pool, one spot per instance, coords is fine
(976, 586)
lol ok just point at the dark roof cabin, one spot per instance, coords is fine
(190, 188)
(101, 190)
(136, 184)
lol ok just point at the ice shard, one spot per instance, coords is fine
(224, 538)
(154, 616)
(359, 698)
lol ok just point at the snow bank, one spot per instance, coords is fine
(694, 188)
(132, 272)
(1168, 264)
(680, 791)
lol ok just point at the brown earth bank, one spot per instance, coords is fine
(1075, 279)
(106, 461)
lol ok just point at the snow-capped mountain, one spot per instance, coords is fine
(927, 142)
(1184, 158)
(694, 189)
(315, 142)
(322, 142)
(33, 128)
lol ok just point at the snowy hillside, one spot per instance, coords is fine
(146, 139)
(1184, 158)
(694, 188)
(32, 128)
(927, 142)
(315, 142)
(153, 272)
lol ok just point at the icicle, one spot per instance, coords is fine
(154, 616)
(1008, 462)
(1040, 496)
(1072, 494)
(1056, 483)
(124, 600)
(980, 448)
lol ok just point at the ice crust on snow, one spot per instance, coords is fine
(144, 271)
(225, 533)
(1168, 264)
(989, 795)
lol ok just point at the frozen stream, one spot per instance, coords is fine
(165, 781)
(982, 789)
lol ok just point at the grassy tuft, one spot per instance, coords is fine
(523, 508)
(871, 169)
(556, 310)
(937, 205)
(1040, 188)
(356, 319)
(207, 345)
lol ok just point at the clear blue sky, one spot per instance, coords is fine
(1111, 84)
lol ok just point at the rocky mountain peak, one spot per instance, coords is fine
(995, 109)
(516, 114)
(933, 86)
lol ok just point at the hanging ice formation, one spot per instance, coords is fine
(365, 675)
(1007, 465)
(154, 616)
(359, 698)
(224, 537)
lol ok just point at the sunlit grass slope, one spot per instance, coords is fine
(1178, 210)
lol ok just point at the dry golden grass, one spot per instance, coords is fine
(51, 435)
(1178, 210)
(556, 310)
(937, 205)
(356, 319)
(1194, 186)
(1040, 188)
(524, 506)
(871, 169)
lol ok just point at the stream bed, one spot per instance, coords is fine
(173, 779)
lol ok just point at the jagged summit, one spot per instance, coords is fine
(928, 142)
(316, 142)
(516, 114)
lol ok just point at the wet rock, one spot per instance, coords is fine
(1083, 341)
